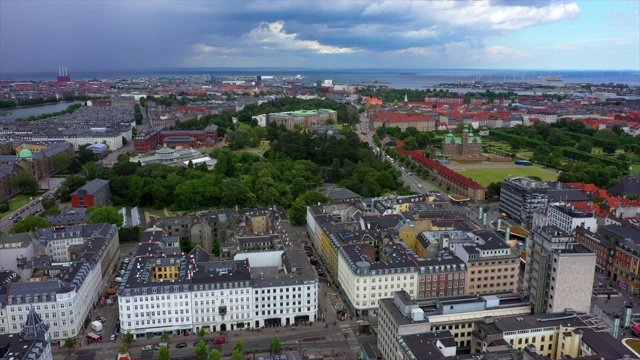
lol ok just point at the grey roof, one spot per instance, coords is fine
(623, 231)
(69, 217)
(625, 186)
(38, 287)
(91, 187)
(340, 194)
(297, 270)
(604, 344)
(73, 231)
(34, 328)
(538, 321)
(23, 238)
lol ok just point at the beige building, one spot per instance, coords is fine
(554, 257)
(403, 316)
(492, 265)
(553, 336)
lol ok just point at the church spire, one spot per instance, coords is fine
(34, 328)
(406, 99)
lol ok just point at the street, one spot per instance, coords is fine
(416, 184)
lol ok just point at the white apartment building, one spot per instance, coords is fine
(184, 294)
(285, 288)
(364, 283)
(568, 218)
(65, 297)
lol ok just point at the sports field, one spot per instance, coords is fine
(488, 175)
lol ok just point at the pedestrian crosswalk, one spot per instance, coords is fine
(352, 339)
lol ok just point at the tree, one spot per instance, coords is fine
(30, 223)
(237, 355)
(127, 339)
(165, 336)
(104, 214)
(201, 333)
(515, 144)
(123, 349)
(493, 190)
(214, 355)
(298, 212)
(69, 344)
(584, 145)
(163, 353)
(410, 143)
(85, 155)
(239, 345)
(275, 345)
(216, 248)
(61, 161)
(25, 181)
(201, 350)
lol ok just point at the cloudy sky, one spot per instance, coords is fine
(503, 34)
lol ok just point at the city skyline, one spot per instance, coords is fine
(498, 34)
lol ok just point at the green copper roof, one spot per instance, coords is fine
(25, 154)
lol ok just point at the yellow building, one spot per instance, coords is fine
(165, 269)
(492, 265)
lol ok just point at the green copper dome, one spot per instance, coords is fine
(25, 154)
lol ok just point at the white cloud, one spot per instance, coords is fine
(429, 32)
(479, 14)
(503, 53)
(273, 36)
(205, 49)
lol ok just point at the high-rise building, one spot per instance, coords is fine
(555, 258)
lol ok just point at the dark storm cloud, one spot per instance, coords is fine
(142, 34)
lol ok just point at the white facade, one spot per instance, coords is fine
(568, 219)
(64, 312)
(366, 289)
(58, 246)
(154, 311)
(285, 303)
(207, 307)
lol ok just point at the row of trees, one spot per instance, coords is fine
(389, 95)
(290, 173)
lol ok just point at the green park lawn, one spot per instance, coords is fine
(15, 203)
(489, 175)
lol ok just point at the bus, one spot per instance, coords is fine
(523, 162)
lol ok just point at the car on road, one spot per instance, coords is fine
(161, 345)
(113, 337)
(181, 345)
(220, 340)
(147, 347)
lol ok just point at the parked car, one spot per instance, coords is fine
(314, 261)
(220, 340)
(147, 347)
(181, 345)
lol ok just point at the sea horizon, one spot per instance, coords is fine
(392, 77)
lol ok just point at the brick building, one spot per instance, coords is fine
(154, 137)
(93, 193)
(465, 145)
(421, 122)
(604, 249)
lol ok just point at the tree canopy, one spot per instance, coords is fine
(104, 214)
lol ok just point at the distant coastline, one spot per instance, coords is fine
(396, 78)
